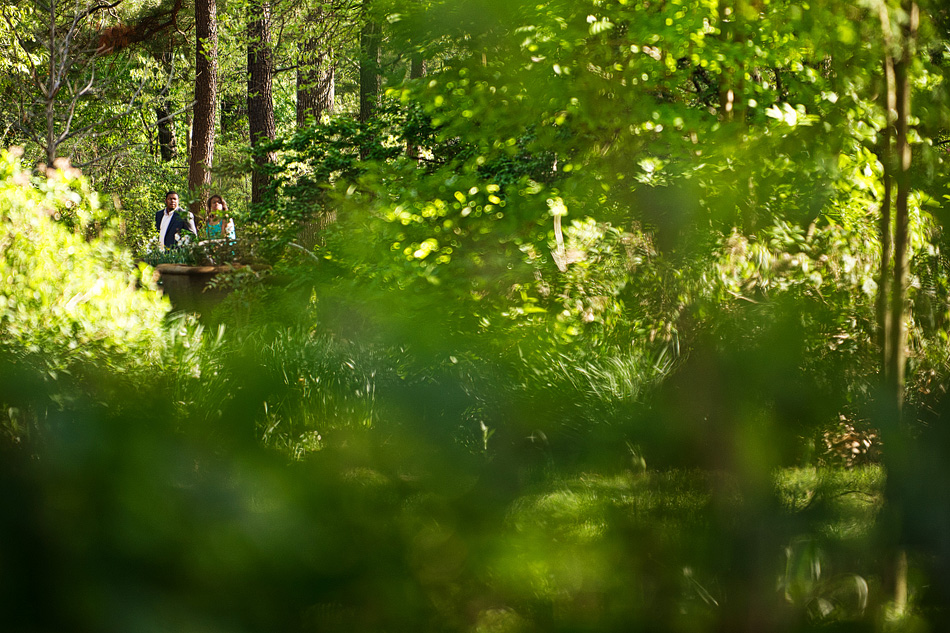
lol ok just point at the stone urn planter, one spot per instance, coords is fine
(187, 286)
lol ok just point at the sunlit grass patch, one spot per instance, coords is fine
(845, 500)
(589, 535)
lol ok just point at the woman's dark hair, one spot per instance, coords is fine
(223, 203)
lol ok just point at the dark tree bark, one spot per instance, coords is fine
(206, 100)
(417, 70)
(417, 66)
(260, 100)
(370, 49)
(167, 141)
(316, 80)
(370, 84)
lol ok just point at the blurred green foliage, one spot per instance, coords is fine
(567, 339)
(68, 299)
(80, 320)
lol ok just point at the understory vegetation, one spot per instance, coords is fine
(621, 316)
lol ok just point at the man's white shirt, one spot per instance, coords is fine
(166, 219)
(164, 229)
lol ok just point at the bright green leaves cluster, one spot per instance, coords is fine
(593, 260)
(820, 262)
(66, 299)
(458, 231)
(449, 221)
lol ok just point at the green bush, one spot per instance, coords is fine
(71, 306)
(65, 297)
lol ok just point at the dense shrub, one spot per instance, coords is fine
(66, 298)
(78, 318)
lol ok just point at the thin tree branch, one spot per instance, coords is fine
(108, 154)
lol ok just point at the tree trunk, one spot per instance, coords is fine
(316, 80)
(902, 150)
(886, 219)
(370, 49)
(260, 100)
(206, 101)
(417, 70)
(898, 461)
(417, 66)
(52, 143)
(370, 38)
(167, 142)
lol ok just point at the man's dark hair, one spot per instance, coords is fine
(168, 193)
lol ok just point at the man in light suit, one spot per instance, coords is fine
(171, 220)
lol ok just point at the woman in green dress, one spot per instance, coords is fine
(219, 224)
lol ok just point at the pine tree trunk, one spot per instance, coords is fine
(902, 151)
(370, 38)
(260, 99)
(206, 101)
(316, 80)
(167, 142)
(417, 70)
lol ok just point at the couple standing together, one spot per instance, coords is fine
(170, 221)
